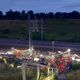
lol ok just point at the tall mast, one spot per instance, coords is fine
(41, 29)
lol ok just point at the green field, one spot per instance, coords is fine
(54, 29)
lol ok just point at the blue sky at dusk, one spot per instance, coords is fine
(40, 5)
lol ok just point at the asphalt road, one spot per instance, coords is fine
(45, 45)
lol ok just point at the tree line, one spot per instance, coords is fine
(23, 15)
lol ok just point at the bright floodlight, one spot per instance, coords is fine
(60, 52)
(69, 50)
(18, 66)
(36, 59)
(41, 55)
(29, 49)
(8, 52)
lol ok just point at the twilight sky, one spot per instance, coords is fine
(40, 5)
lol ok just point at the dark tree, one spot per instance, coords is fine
(37, 16)
(50, 15)
(58, 15)
(16, 15)
(1, 15)
(43, 16)
(64, 15)
(74, 15)
(23, 15)
(9, 14)
(12, 15)
(31, 14)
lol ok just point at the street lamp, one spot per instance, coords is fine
(29, 31)
(41, 29)
(69, 50)
(53, 45)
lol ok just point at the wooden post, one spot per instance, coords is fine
(23, 72)
(38, 72)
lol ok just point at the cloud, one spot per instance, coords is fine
(40, 5)
(37, 4)
(74, 5)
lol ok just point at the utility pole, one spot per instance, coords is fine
(30, 31)
(36, 24)
(41, 29)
